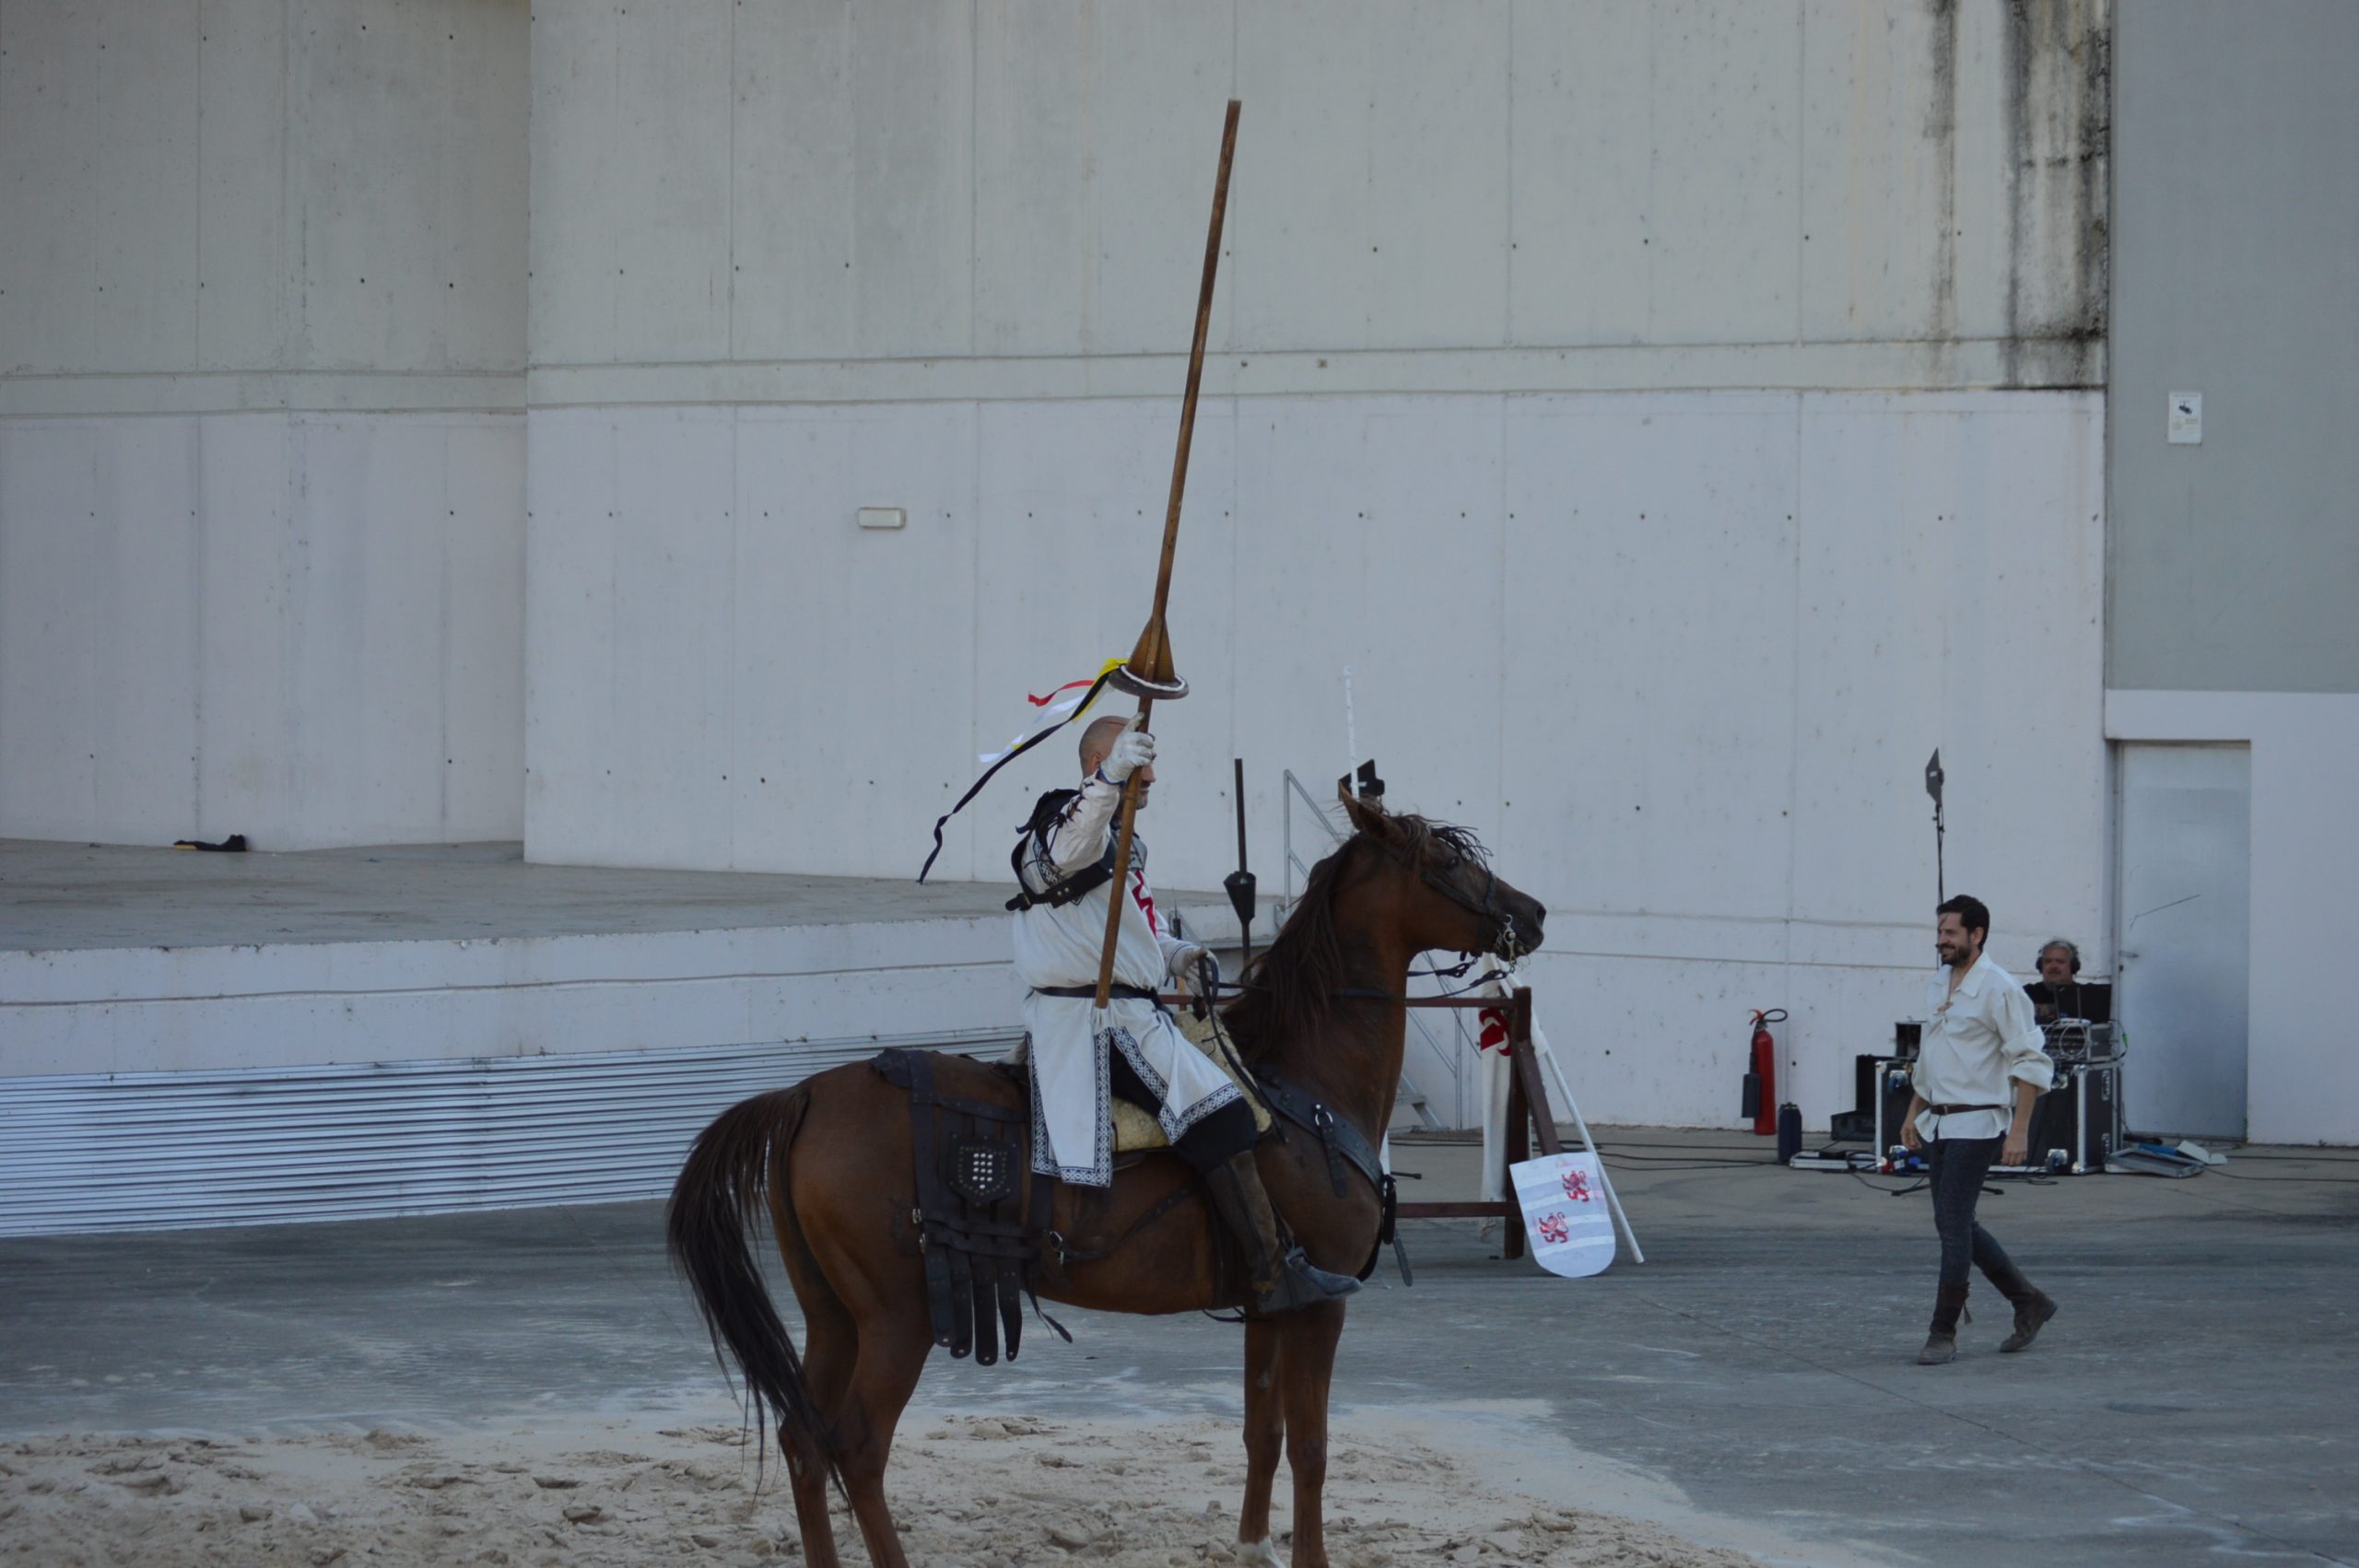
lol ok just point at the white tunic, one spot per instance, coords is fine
(1979, 1041)
(1073, 1105)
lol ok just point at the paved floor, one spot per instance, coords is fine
(2192, 1401)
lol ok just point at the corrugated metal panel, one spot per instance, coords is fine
(156, 1150)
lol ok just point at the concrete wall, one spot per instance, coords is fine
(2233, 562)
(1671, 412)
(302, 628)
(260, 302)
(859, 202)
(1679, 657)
(295, 1004)
(1676, 415)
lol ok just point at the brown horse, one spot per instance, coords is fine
(1320, 1011)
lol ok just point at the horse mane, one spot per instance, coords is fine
(1291, 987)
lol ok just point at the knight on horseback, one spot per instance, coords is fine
(1081, 1060)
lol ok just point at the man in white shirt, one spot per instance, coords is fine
(1981, 1064)
(1081, 1059)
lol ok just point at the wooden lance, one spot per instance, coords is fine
(1148, 672)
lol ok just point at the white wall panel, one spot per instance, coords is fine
(1877, 172)
(850, 668)
(248, 624)
(482, 751)
(253, 185)
(923, 180)
(1679, 657)
(407, 205)
(1950, 575)
(365, 578)
(144, 708)
(666, 180)
(1582, 174)
(245, 295)
(245, 655)
(1154, 125)
(144, 185)
(574, 124)
(1352, 549)
(570, 652)
(1035, 147)
(794, 151)
(1377, 137)
(49, 148)
(913, 224)
(1723, 211)
(48, 638)
(1647, 661)
(675, 545)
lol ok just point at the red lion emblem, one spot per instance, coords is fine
(1553, 1229)
(1577, 1187)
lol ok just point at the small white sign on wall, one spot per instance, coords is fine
(2186, 419)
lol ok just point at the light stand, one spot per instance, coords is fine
(1934, 788)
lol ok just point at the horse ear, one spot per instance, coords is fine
(1367, 815)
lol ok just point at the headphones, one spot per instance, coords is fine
(2070, 948)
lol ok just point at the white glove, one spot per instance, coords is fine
(1198, 973)
(1133, 750)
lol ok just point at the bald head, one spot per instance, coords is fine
(1097, 743)
(1098, 739)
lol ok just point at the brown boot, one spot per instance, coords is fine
(2032, 1306)
(2031, 1316)
(1279, 1278)
(1940, 1343)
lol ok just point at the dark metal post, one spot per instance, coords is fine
(1240, 881)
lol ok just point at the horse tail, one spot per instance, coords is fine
(717, 1201)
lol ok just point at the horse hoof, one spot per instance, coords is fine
(1260, 1554)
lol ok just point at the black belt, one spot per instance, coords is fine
(1937, 1110)
(1133, 993)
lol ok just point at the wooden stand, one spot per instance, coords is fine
(1528, 1113)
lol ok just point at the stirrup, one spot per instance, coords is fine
(1302, 1283)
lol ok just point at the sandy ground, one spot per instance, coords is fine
(970, 1491)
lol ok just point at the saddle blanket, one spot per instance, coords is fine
(1135, 1129)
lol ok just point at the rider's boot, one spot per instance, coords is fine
(1279, 1278)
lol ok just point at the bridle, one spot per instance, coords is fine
(1505, 939)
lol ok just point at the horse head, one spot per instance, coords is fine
(1443, 894)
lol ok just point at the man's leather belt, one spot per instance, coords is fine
(1134, 993)
(1937, 1110)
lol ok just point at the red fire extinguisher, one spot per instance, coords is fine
(1761, 1079)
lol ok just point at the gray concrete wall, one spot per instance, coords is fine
(1650, 403)
(261, 203)
(261, 353)
(865, 202)
(2234, 562)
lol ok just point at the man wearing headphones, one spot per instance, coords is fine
(2059, 993)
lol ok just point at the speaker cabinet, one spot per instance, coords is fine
(2077, 1124)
